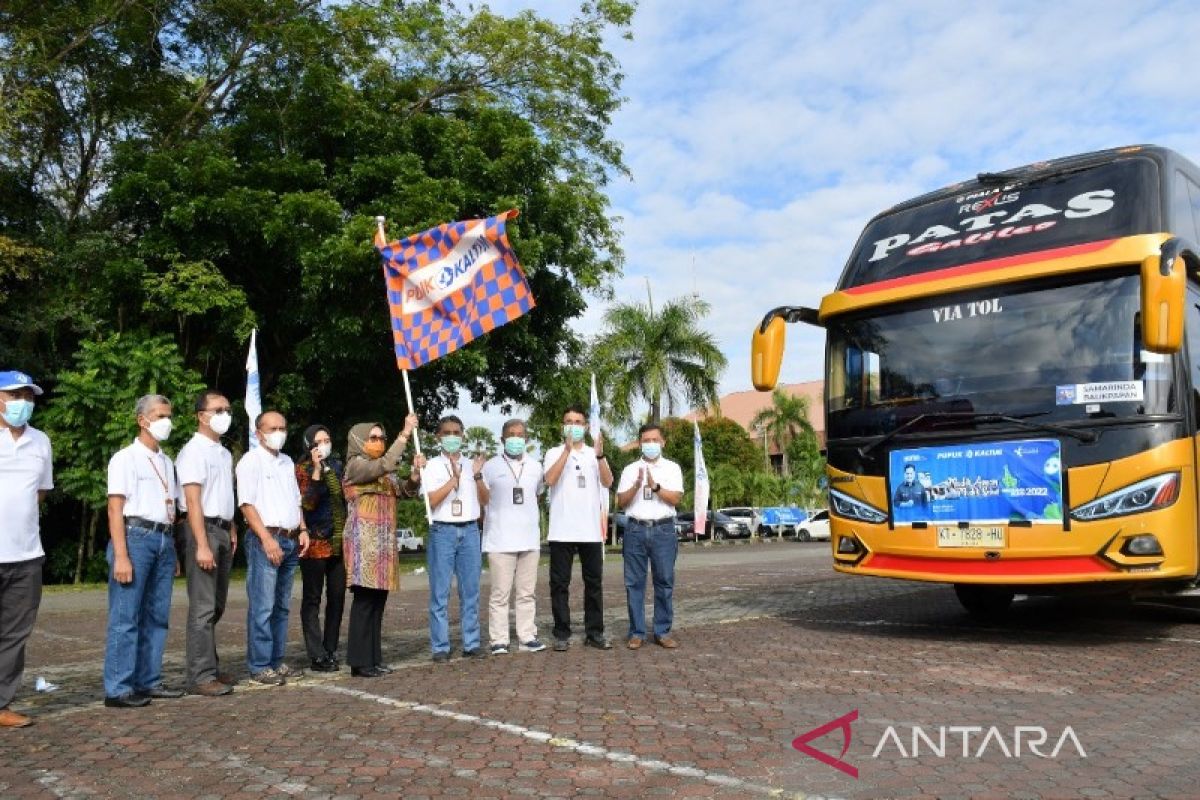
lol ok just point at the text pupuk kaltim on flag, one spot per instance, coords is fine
(450, 284)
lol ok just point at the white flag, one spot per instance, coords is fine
(253, 397)
(701, 492)
(594, 412)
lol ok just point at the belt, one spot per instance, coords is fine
(456, 524)
(218, 521)
(652, 522)
(287, 533)
(148, 524)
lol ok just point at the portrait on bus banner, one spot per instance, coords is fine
(995, 482)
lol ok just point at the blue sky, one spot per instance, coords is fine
(762, 136)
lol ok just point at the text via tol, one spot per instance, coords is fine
(977, 308)
(1086, 204)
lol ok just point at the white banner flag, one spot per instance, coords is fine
(253, 397)
(594, 412)
(701, 492)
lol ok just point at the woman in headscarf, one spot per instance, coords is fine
(322, 568)
(372, 557)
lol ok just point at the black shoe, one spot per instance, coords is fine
(561, 645)
(598, 642)
(322, 665)
(130, 700)
(160, 692)
(365, 672)
(383, 669)
(441, 657)
(478, 652)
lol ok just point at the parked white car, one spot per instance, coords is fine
(815, 528)
(406, 542)
(745, 515)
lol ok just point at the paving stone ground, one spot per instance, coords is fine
(774, 645)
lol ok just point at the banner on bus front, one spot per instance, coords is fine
(983, 482)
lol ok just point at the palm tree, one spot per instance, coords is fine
(784, 420)
(662, 358)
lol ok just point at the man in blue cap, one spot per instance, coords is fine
(25, 478)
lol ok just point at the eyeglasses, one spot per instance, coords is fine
(376, 438)
(224, 410)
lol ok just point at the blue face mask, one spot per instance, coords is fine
(18, 412)
(514, 445)
(451, 444)
(651, 450)
(574, 431)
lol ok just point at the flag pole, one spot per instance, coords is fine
(408, 396)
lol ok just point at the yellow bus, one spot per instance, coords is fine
(1012, 382)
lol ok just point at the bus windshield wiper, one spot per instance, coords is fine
(1087, 437)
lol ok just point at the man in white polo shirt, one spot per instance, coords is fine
(649, 490)
(508, 487)
(275, 540)
(205, 470)
(25, 478)
(578, 478)
(454, 540)
(143, 495)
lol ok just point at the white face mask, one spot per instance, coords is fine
(325, 448)
(220, 423)
(160, 429)
(275, 439)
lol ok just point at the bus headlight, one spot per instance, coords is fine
(846, 506)
(1157, 492)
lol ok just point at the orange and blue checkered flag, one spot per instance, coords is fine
(450, 284)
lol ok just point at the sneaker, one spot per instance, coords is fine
(668, 641)
(284, 671)
(441, 657)
(533, 646)
(268, 677)
(561, 645)
(499, 649)
(634, 643)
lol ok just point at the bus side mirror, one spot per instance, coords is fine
(1164, 284)
(766, 348)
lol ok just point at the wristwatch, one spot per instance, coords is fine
(602, 457)
(478, 476)
(656, 487)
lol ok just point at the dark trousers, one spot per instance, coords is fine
(364, 643)
(207, 591)
(20, 596)
(328, 576)
(591, 563)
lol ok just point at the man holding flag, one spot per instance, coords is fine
(578, 478)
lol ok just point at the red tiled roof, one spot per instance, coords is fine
(742, 406)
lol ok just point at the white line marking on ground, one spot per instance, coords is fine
(565, 743)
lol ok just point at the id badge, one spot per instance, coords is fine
(518, 496)
(170, 510)
(646, 493)
(581, 480)
(456, 508)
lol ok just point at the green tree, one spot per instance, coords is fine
(808, 467)
(478, 439)
(91, 416)
(783, 421)
(662, 358)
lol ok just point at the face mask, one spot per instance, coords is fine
(325, 449)
(220, 423)
(514, 445)
(275, 439)
(160, 429)
(18, 412)
(451, 444)
(651, 450)
(374, 449)
(575, 432)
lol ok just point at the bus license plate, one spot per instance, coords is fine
(975, 536)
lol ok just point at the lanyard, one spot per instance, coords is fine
(450, 472)
(516, 475)
(166, 489)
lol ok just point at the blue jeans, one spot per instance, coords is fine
(654, 547)
(269, 591)
(454, 551)
(138, 613)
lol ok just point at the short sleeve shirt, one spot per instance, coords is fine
(146, 479)
(25, 470)
(268, 482)
(509, 526)
(662, 472)
(577, 500)
(436, 473)
(207, 463)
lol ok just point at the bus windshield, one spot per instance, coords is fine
(1031, 213)
(1057, 354)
